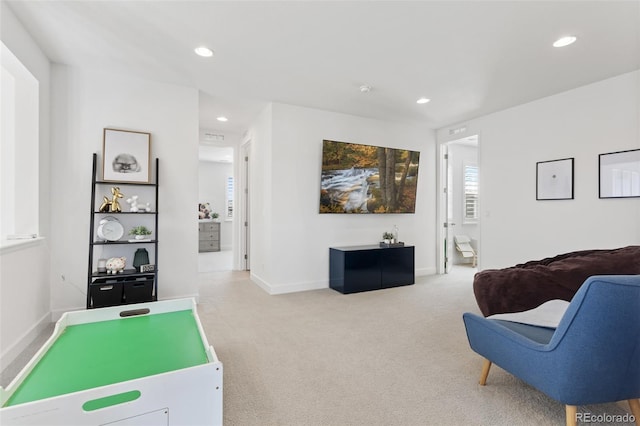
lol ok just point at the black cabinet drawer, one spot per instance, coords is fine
(138, 290)
(106, 292)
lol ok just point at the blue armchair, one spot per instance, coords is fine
(592, 357)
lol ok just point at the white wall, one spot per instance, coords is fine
(24, 284)
(291, 240)
(581, 123)
(85, 102)
(213, 189)
(258, 138)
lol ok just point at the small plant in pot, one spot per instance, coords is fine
(140, 232)
(215, 216)
(387, 237)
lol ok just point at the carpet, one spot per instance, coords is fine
(397, 356)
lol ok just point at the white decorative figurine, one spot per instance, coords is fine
(133, 203)
(135, 206)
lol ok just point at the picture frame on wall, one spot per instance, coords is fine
(126, 156)
(554, 179)
(619, 174)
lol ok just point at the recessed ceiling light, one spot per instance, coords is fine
(423, 100)
(564, 41)
(221, 118)
(365, 89)
(204, 51)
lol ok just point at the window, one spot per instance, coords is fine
(470, 193)
(229, 191)
(19, 124)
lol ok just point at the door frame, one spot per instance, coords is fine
(444, 237)
(442, 203)
(243, 258)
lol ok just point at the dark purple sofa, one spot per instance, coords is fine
(530, 284)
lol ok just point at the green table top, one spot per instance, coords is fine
(96, 354)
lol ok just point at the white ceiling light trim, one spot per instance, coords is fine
(223, 119)
(203, 51)
(565, 41)
(365, 88)
(423, 100)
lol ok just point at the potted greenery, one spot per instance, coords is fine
(140, 232)
(387, 237)
(214, 216)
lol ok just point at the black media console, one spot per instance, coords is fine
(364, 268)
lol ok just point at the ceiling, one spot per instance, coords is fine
(471, 58)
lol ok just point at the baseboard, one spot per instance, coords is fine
(10, 354)
(260, 282)
(288, 288)
(57, 314)
(296, 287)
(312, 285)
(426, 271)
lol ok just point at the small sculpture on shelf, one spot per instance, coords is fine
(141, 257)
(135, 206)
(115, 265)
(112, 205)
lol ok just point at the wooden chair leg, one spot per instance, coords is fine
(485, 372)
(634, 404)
(572, 412)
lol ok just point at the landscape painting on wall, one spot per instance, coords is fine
(367, 179)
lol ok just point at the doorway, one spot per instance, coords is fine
(216, 199)
(458, 212)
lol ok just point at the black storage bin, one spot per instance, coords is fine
(138, 290)
(106, 292)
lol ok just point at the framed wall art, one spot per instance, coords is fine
(367, 179)
(554, 179)
(619, 174)
(126, 156)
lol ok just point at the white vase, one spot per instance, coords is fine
(140, 237)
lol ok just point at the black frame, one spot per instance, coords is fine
(600, 173)
(542, 174)
(117, 143)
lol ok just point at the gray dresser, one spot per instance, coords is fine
(209, 236)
